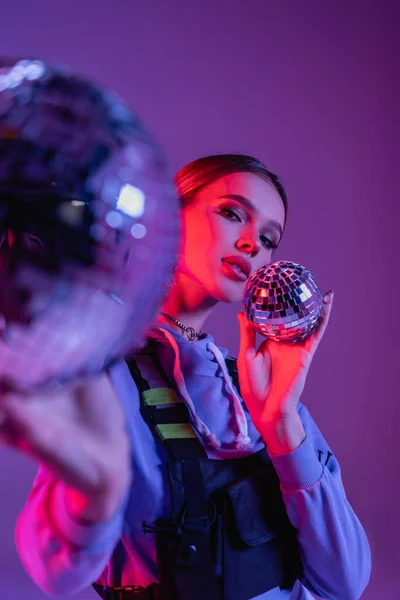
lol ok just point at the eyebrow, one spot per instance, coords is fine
(250, 206)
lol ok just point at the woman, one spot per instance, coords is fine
(158, 472)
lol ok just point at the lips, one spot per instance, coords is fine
(240, 263)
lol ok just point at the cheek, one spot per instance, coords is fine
(264, 258)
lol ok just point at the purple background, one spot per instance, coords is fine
(311, 88)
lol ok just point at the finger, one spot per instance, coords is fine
(71, 461)
(14, 424)
(11, 432)
(247, 345)
(316, 337)
(4, 429)
(105, 410)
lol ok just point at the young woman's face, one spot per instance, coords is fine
(229, 231)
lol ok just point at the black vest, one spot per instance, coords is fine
(229, 537)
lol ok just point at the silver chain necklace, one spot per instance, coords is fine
(192, 335)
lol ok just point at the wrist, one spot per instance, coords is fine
(98, 507)
(282, 433)
(88, 511)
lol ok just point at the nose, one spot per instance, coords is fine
(249, 244)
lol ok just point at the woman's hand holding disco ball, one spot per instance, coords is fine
(87, 210)
(281, 300)
(78, 432)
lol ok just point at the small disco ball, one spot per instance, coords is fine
(89, 226)
(283, 301)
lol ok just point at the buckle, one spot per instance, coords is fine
(130, 591)
(124, 592)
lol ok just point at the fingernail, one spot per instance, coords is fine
(328, 296)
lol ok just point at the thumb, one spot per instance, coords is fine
(247, 337)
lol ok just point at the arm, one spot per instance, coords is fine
(72, 520)
(333, 546)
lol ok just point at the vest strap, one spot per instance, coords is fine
(188, 566)
(159, 396)
(128, 592)
(166, 415)
(175, 431)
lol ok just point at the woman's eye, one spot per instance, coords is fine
(268, 243)
(230, 214)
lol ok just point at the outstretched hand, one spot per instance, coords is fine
(78, 432)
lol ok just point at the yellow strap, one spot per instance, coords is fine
(175, 431)
(157, 396)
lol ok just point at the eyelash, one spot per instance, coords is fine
(227, 213)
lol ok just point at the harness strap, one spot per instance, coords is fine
(166, 414)
(128, 592)
(190, 568)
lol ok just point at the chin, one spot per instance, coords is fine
(230, 293)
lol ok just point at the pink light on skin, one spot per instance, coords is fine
(240, 215)
(218, 225)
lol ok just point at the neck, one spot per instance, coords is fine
(187, 303)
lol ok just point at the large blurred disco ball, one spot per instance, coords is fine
(89, 226)
(283, 301)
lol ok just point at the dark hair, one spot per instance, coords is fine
(199, 173)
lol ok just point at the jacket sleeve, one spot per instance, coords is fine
(61, 554)
(333, 545)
